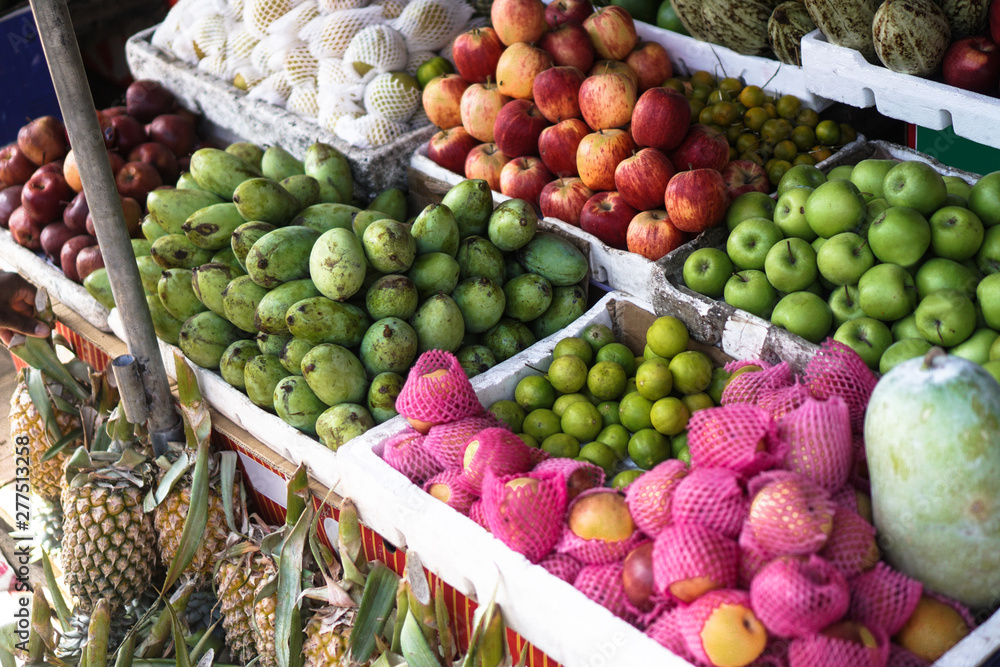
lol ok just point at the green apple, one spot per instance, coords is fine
(946, 317)
(940, 273)
(749, 205)
(988, 297)
(706, 271)
(790, 265)
(803, 314)
(956, 185)
(817, 288)
(993, 368)
(841, 173)
(818, 243)
(666, 18)
(900, 351)
(988, 257)
(750, 242)
(790, 213)
(845, 304)
(887, 292)
(984, 200)
(995, 350)
(433, 68)
(956, 233)
(906, 328)
(955, 200)
(801, 175)
(868, 337)
(750, 291)
(899, 236)
(915, 184)
(869, 174)
(976, 348)
(873, 209)
(835, 207)
(844, 258)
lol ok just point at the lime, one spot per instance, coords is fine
(541, 423)
(600, 455)
(669, 416)
(667, 336)
(629, 386)
(692, 371)
(528, 440)
(633, 410)
(561, 446)
(616, 437)
(563, 402)
(582, 420)
(433, 68)
(567, 374)
(648, 448)
(751, 96)
(828, 132)
(702, 78)
(598, 335)
(666, 18)
(510, 413)
(684, 455)
(620, 354)
(606, 380)
(533, 392)
(720, 378)
(678, 442)
(653, 379)
(788, 106)
(640, 10)
(647, 353)
(625, 477)
(695, 402)
(576, 347)
(609, 412)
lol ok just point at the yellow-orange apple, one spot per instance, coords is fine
(557, 145)
(598, 156)
(791, 514)
(569, 44)
(642, 178)
(661, 119)
(851, 631)
(651, 63)
(703, 147)
(517, 68)
(745, 176)
(564, 198)
(652, 235)
(607, 216)
(486, 161)
(481, 102)
(612, 32)
(561, 11)
(731, 635)
(607, 100)
(524, 178)
(476, 54)
(601, 515)
(520, 482)
(442, 99)
(518, 20)
(556, 92)
(43, 140)
(932, 629)
(450, 147)
(696, 200)
(517, 128)
(605, 66)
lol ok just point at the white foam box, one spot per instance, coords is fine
(844, 75)
(235, 115)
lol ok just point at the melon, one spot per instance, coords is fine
(932, 438)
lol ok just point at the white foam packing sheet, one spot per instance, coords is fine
(844, 75)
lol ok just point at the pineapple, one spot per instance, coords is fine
(327, 635)
(237, 579)
(264, 610)
(46, 524)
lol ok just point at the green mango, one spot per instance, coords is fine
(472, 203)
(382, 393)
(477, 256)
(512, 225)
(342, 423)
(250, 153)
(149, 273)
(389, 246)
(481, 301)
(177, 293)
(568, 304)
(261, 376)
(235, 359)
(174, 251)
(228, 257)
(439, 324)
(278, 164)
(555, 258)
(205, 337)
(212, 227)
(240, 300)
(291, 355)
(209, 282)
(220, 172)
(170, 209)
(392, 296)
(511, 268)
(476, 359)
(271, 310)
(363, 219)
(297, 404)
(324, 217)
(389, 345)
(265, 200)
(166, 326)
(281, 255)
(322, 320)
(329, 166)
(392, 202)
(186, 182)
(435, 230)
(152, 230)
(271, 344)
(245, 236)
(141, 247)
(433, 273)
(508, 338)
(98, 285)
(337, 264)
(335, 374)
(304, 188)
(528, 297)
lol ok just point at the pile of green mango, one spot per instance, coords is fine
(259, 265)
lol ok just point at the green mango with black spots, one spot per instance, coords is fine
(212, 227)
(434, 273)
(240, 300)
(322, 320)
(219, 172)
(476, 359)
(361, 221)
(568, 304)
(297, 404)
(177, 293)
(166, 326)
(389, 246)
(508, 338)
(335, 374)
(205, 337)
(304, 188)
(324, 217)
(209, 281)
(280, 256)
(98, 285)
(481, 301)
(149, 273)
(175, 251)
(271, 344)
(291, 355)
(382, 393)
(439, 324)
(170, 209)
(337, 264)
(245, 236)
(228, 257)
(555, 258)
(277, 164)
(472, 203)
(435, 230)
(235, 359)
(261, 376)
(389, 345)
(528, 297)
(477, 256)
(265, 200)
(392, 296)
(271, 311)
(151, 230)
(342, 423)
(329, 166)
(392, 202)
(251, 153)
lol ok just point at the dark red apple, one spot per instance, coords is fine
(10, 201)
(517, 127)
(476, 54)
(158, 155)
(486, 161)
(569, 45)
(450, 147)
(26, 230)
(607, 216)
(175, 132)
(56, 166)
(745, 176)
(557, 146)
(556, 93)
(114, 112)
(637, 577)
(116, 161)
(107, 130)
(652, 235)
(88, 260)
(561, 11)
(75, 214)
(184, 163)
(524, 178)
(642, 179)
(995, 21)
(137, 179)
(564, 199)
(651, 63)
(54, 236)
(45, 195)
(696, 200)
(661, 119)
(15, 167)
(43, 140)
(703, 148)
(129, 133)
(145, 100)
(69, 252)
(973, 64)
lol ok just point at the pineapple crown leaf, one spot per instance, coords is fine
(64, 442)
(197, 516)
(288, 621)
(172, 474)
(58, 601)
(41, 397)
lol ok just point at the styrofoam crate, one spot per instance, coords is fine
(229, 109)
(844, 75)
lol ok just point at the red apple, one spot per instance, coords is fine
(114, 112)
(524, 178)
(88, 260)
(651, 63)
(26, 230)
(56, 167)
(117, 162)
(702, 148)
(607, 100)
(137, 179)
(15, 167)
(519, 64)
(10, 200)
(569, 44)
(53, 237)
(556, 92)
(745, 176)
(43, 140)
(75, 214)
(661, 119)
(442, 98)
(518, 20)
(476, 54)
(129, 133)
(70, 249)
(973, 63)
(637, 577)
(486, 161)
(598, 156)
(107, 130)
(145, 100)
(564, 199)
(995, 21)
(517, 128)
(561, 11)
(184, 163)
(642, 179)
(158, 155)
(44, 196)
(696, 200)
(612, 32)
(132, 211)
(557, 146)
(606, 66)
(652, 235)
(481, 102)
(450, 147)
(175, 132)
(607, 216)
